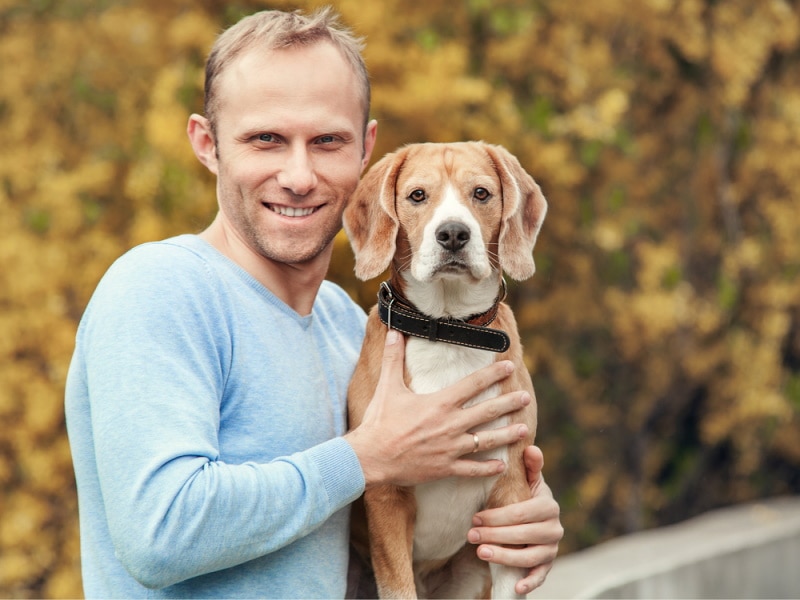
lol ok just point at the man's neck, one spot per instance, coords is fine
(294, 284)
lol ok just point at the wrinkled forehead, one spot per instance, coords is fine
(462, 165)
(264, 71)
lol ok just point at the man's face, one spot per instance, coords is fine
(291, 148)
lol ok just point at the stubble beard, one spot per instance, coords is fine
(288, 250)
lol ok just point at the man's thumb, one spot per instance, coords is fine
(534, 463)
(393, 356)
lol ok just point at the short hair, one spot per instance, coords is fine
(275, 30)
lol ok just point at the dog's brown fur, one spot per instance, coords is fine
(381, 235)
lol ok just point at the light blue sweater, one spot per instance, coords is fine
(205, 420)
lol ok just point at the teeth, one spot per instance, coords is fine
(290, 211)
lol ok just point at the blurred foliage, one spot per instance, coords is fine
(662, 328)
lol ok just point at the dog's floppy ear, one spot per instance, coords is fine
(524, 208)
(370, 218)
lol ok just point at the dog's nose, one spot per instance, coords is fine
(452, 235)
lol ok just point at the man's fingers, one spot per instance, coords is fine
(536, 510)
(492, 438)
(543, 533)
(477, 468)
(493, 408)
(524, 557)
(479, 381)
(518, 557)
(535, 579)
(541, 557)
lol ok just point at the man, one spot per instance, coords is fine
(206, 397)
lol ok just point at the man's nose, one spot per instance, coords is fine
(297, 172)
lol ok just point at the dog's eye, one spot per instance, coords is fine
(481, 194)
(418, 196)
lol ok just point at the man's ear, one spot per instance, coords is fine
(370, 134)
(202, 139)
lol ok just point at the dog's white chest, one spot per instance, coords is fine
(444, 515)
(445, 508)
(436, 365)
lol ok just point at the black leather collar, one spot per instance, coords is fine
(398, 313)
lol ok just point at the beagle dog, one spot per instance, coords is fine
(449, 219)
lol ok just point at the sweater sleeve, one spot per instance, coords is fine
(156, 359)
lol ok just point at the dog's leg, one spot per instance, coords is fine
(504, 579)
(511, 487)
(464, 576)
(390, 512)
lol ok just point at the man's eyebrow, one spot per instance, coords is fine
(345, 134)
(250, 130)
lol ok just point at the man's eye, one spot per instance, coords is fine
(267, 138)
(418, 196)
(326, 139)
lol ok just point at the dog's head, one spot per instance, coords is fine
(440, 209)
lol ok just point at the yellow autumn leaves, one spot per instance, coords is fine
(663, 324)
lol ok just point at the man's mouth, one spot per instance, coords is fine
(290, 211)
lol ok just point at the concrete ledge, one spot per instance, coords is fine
(746, 551)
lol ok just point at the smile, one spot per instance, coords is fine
(290, 211)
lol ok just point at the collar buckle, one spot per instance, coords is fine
(385, 287)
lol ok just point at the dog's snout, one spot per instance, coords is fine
(452, 235)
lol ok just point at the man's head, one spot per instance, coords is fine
(276, 30)
(286, 135)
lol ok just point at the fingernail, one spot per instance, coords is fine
(474, 536)
(523, 431)
(523, 588)
(477, 521)
(485, 552)
(392, 337)
(501, 466)
(525, 398)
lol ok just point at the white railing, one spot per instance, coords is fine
(745, 551)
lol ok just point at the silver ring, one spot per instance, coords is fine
(475, 441)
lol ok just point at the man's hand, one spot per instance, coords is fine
(533, 525)
(407, 439)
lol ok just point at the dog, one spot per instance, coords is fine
(449, 219)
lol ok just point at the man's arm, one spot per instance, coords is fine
(533, 524)
(144, 409)
(156, 362)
